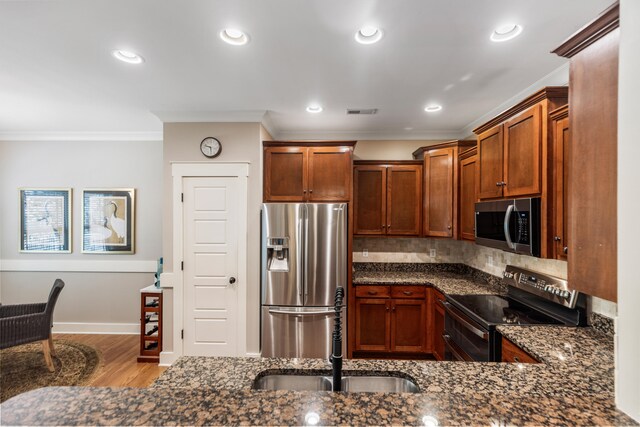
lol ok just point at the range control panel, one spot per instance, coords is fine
(549, 287)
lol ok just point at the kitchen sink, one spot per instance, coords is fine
(350, 383)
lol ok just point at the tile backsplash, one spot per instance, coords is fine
(489, 260)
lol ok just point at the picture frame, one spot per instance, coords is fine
(108, 221)
(45, 220)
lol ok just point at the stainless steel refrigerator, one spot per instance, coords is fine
(304, 259)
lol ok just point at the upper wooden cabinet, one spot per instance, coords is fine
(387, 198)
(441, 187)
(468, 193)
(307, 172)
(560, 130)
(513, 148)
(592, 157)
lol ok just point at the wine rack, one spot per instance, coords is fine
(150, 324)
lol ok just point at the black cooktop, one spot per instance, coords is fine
(491, 310)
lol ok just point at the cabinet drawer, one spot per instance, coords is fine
(514, 354)
(372, 291)
(408, 292)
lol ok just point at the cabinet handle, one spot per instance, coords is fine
(372, 292)
(407, 292)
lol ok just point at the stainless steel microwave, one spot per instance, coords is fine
(511, 225)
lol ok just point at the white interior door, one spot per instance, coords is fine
(211, 210)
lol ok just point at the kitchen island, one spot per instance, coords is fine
(573, 385)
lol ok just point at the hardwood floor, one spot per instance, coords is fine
(119, 365)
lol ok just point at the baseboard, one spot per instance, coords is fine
(167, 358)
(96, 328)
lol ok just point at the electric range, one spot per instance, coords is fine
(532, 299)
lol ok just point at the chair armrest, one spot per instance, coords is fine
(21, 309)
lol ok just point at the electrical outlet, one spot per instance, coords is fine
(490, 260)
(365, 253)
(432, 253)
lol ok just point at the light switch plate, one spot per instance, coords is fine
(432, 253)
(365, 253)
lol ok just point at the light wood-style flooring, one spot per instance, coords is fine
(119, 365)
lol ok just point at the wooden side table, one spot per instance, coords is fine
(150, 324)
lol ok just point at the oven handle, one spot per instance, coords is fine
(507, 220)
(453, 313)
(457, 352)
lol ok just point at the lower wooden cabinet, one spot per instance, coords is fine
(438, 325)
(391, 319)
(514, 354)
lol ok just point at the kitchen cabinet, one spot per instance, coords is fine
(515, 155)
(560, 129)
(440, 205)
(438, 324)
(391, 320)
(387, 198)
(308, 172)
(511, 353)
(592, 157)
(468, 193)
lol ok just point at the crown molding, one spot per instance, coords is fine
(268, 124)
(372, 135)
(608, 21)
(81, 136)
(558, 77)
(246, 116)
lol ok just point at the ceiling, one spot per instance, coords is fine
(57, 73)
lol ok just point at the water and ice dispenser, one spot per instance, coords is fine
(277, 254)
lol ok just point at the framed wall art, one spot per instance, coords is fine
(45, 220)
(108, 221)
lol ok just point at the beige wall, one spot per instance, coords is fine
(388, 150)
(110, 298)
(241, 142)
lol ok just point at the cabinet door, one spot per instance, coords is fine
(373, 324)
(438, 325)
(408, 325)
(404, 200)
(369, 200)
(468, 197)
(439, 192)
(285, 174)
(560, 174)
(330, 171)
(490, 163)
(522, 153)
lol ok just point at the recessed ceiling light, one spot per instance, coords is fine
(234, 37)
(506, 32)
(314, 109)
(128, 57)
(433, 108)
(368, 35)
(408, 128)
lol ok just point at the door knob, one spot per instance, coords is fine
(232, 280)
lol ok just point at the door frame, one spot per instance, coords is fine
(179, 171)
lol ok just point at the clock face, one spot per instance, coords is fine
(211, 147)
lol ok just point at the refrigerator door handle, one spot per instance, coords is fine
(305, 253)
(302, 243)
(301, 313)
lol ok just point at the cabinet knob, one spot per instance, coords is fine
(565, 250)
(304, 191)
(372, 292)
(407, 293)
(516, 358)
(498, 184)
(557, 238)
(389, 226)
(449, 227)
(310, 191)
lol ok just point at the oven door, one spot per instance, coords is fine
(464, 339)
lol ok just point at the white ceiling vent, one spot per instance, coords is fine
(362, 111)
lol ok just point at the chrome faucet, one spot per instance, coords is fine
(336, 353)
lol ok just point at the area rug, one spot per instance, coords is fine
(22, 368)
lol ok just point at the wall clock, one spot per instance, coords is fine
(211, 147)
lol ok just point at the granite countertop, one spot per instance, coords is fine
(452, 279)
(573, 384)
